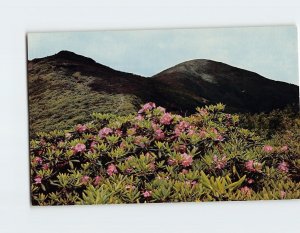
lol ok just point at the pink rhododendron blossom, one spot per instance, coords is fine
(246, 190)
(129, 187)
(128, 170)
(220, 163)
(166, 119)
(97, 180)
(93, 145)
(147, 194)
(46, 166)
(220, 138)
(118, 132)
(202, 134)
(123, 145)
(43, 142)
(85, 179)
(191, 132)
(187, 160)
(215, 131)
(253, 166)
(171, 161)
(147, 106)
(228, 116)
(249, 166)
(181, 127)
(284, 148)
(282, 194)
(38, 160)
(155, 126)
(177, 132)
(81, 128)
(159, 134)
(284, 167)
(184, 171)
(250, 181)
(151, 166)
(79, 148)
(139, 117)
(38, 180)
(105, 132)
(112, 169)
(192, 183)
(267, 148)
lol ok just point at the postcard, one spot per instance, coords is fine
(169, 115)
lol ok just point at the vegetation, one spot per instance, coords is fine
(57, 101)
(156, 156)
(277, 121)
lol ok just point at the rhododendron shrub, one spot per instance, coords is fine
(157, 156)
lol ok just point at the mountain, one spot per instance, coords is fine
(65, 88)
(241, 90)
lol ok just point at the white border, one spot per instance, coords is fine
(16, 214)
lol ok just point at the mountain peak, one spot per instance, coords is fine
(198, 67)
(68, 55)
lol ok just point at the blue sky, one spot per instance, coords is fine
(270, 51)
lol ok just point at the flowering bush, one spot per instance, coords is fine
(156, 156)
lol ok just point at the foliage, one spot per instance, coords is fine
(268, 124)
(52, 93)
(156, 156)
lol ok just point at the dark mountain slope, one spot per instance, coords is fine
(64, 89)
(241, 90)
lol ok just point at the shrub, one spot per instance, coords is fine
(156, 156)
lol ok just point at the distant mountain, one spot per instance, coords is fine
(64, 89)
(206, 81)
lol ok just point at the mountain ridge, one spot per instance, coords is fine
(78, 85)
(220, 63)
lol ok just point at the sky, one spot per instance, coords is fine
(269, 51)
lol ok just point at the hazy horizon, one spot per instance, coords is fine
(268, 51)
